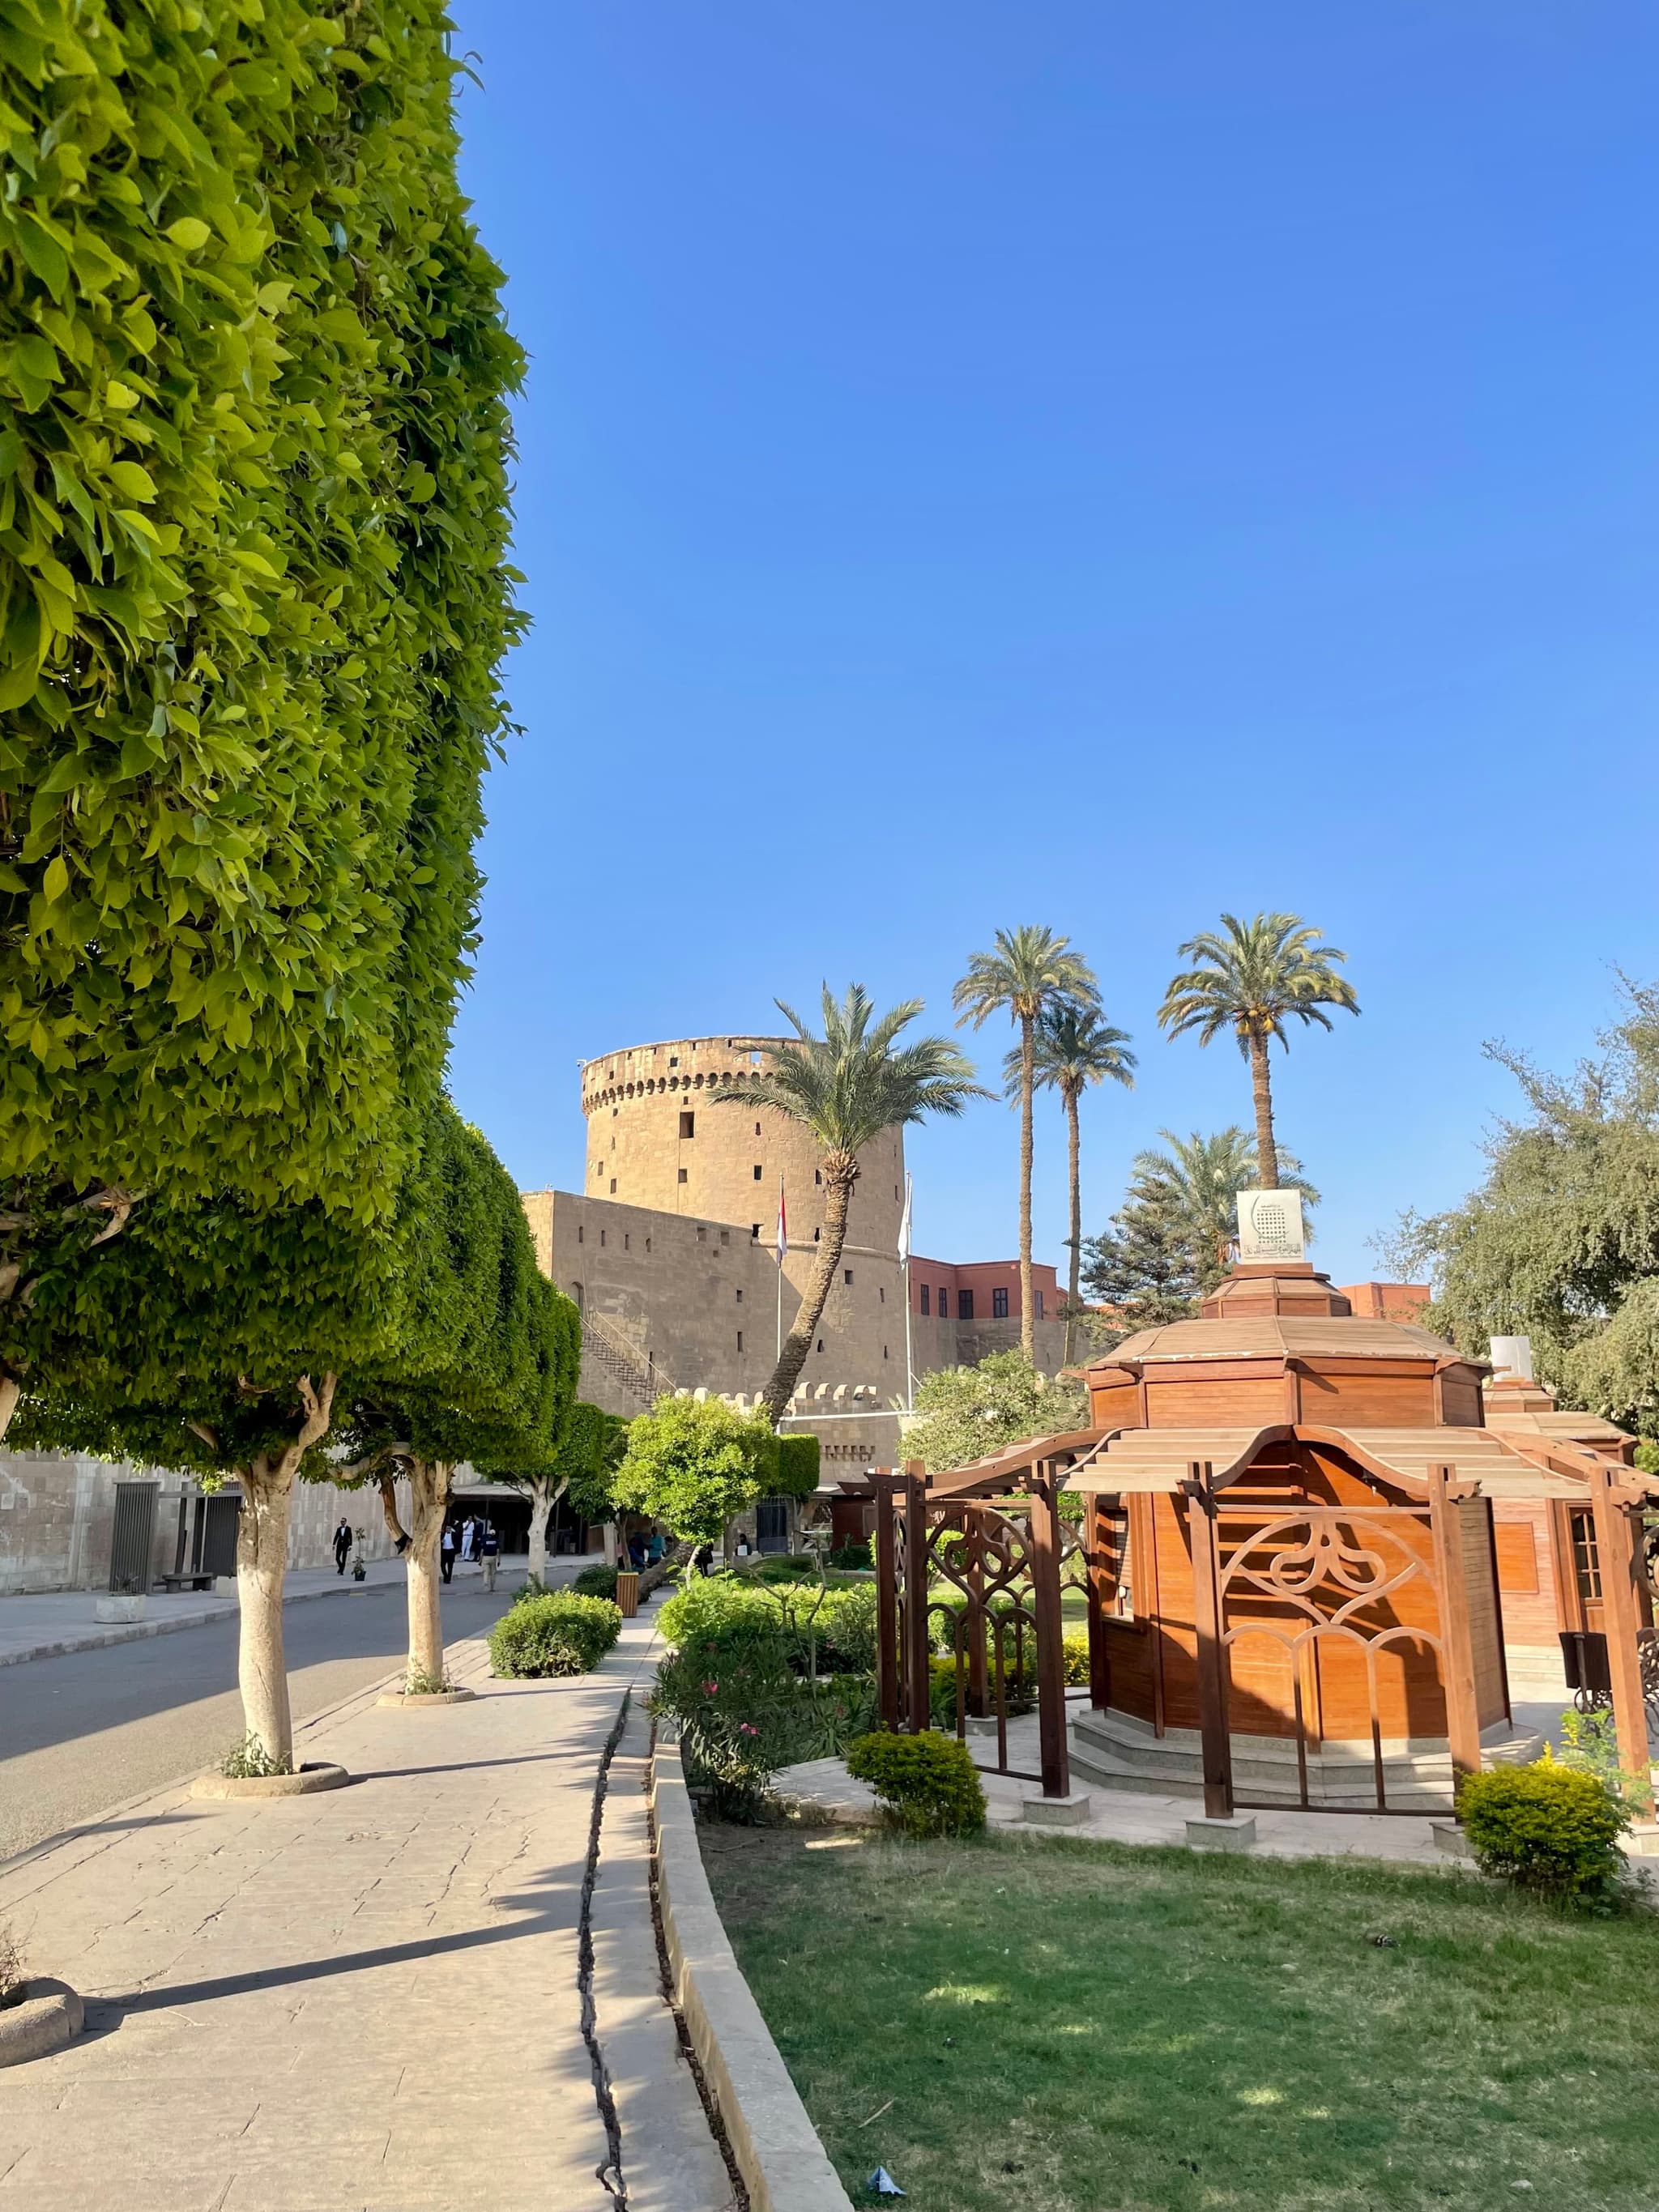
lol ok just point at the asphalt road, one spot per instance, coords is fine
(93, 1729)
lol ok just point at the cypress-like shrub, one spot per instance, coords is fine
(799, 1458)
(559, 1633)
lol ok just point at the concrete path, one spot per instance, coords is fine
(45, 1627)
(370, 2000)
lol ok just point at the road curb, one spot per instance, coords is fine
(140, 1632)
(784, 2165)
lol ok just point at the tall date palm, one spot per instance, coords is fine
(847, 1087)
(1251, 977)
(1028, 972)
(1074, 1048)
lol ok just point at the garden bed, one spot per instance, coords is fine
(1084, 2027)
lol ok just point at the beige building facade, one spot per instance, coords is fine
(670, 1251)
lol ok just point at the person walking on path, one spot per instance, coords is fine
(489, 1550)
(469, 1536)
(446, 1552)
(342, 1545)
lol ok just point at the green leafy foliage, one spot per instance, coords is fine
(1561, 1241)
(796, 1475)
(1076, 1648)
(251, 1762)
(927, 1785)
(854, 1555)
(557, 1633)
(590, 1448)
(253, 592)
(695, 1465)
(968, 1412)
(1549, 1829)
(596, 1582)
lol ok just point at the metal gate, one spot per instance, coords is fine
(133, 1538)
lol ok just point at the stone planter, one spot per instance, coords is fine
(121, 1609)
(412, 1699)
(304, 1784)
(48, 2016)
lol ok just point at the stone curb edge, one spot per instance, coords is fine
(784, 2165)
(140, 1629)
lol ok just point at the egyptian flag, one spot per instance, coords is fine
(783, 1226)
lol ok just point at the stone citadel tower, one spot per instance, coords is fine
(658, 1136)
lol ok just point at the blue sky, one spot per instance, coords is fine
(1095, 465)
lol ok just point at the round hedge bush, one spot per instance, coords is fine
(1546, 1827)
(927, 1785)
(558, 1633)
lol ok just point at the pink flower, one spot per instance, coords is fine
(711, 1689)
(743, 1728)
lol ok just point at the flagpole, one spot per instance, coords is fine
(904, 1258)
(783, 1247)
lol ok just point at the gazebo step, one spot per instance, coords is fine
(1117, 1753)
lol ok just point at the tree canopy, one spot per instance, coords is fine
(1560, 1242)
(695, 1464)
(968, 1412)
(253, 594)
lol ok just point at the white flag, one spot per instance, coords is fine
(904, 1227)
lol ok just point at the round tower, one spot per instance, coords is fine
(662, 1134)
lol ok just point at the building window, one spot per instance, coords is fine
(601, 1240)
(944, 1303)
(739, 1298)
(613, 1194)
(818, 1174)
(1586, 1557)
(882, 1295)
(965, 1305)
(998, 1305)
(702, 1234)
(682, 1176)
(628, 1242)
(739, 1340)
(883, 1351)
(754, 1232)
(927, 1301)
(673, 1059)
(758, 1172)
(725, 1236)
(1038, 1296)
(647, 1243)
(846, 1274)
(688, 1125)
(817, 1233)
(820, 1344)
(757, 1129)
(576, 1293)
(580, 1236)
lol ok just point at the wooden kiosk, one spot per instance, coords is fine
(1288, 1545)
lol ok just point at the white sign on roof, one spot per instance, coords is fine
(1270, 1227)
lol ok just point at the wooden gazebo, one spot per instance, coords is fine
(1283, 1517)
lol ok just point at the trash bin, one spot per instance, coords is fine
(627, 1593)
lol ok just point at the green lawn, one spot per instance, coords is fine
(1076, 2027)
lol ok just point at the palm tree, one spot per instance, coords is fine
(847, 1086)
(1191, 1192)
(1074, 1048)
(1030, 971)
(1249, 977)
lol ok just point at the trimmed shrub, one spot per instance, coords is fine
(1077, 1662)
(850, 1635)
(854, 1556)
(596, 1582)
(927, 1785)
(797, 1466)
(1548, 1828)
(557, 1632)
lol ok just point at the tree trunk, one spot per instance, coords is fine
(428, 1503)
(261, 1566)
(840, 1175)
(1027, 1087)
(394, 1527)
(1073, 1153)
(612, 1544)
(11, 1390)
(543, 1496)
(1266, 1152)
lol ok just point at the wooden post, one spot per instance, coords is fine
(1620, 1554)
(973, 1618)
(1043, 1484)
(887, 1603)
(1217, 1750)
(1100, 1665)
(915, 1596)
(1456, 1643)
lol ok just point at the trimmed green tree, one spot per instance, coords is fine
(968, 1413)
(695, 1465)
(253, 594)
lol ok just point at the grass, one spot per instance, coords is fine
(1066, 2026)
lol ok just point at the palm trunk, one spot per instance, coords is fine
(1266, 1152)
(428, 1503)
(261, 1567)
(1027, 1088)
(838, 1189)
(1073, 1154)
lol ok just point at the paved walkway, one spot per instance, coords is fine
(369, 1998)
(43, 1627)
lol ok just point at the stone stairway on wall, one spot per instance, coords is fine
(1114, 1751)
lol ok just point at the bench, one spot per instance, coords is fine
(194, 1581)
